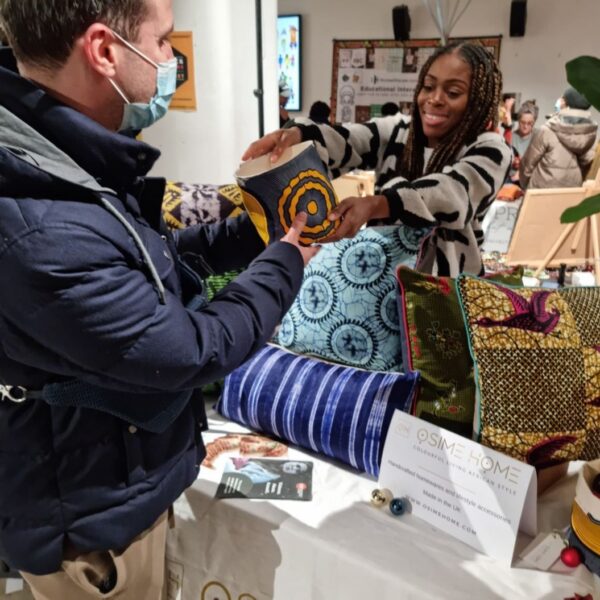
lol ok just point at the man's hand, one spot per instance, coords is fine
(293, 237)
(355, 212)
(275, 143)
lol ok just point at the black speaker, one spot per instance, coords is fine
(401, 21)
(518, 17)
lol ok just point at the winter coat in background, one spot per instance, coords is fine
(560, 152)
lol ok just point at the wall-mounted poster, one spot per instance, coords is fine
(183, 49)
(369, 73)
(289, 58)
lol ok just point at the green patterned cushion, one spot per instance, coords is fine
(434, 342)
(537, 369)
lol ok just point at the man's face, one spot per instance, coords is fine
(136, 76)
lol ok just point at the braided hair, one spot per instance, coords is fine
(481, 114)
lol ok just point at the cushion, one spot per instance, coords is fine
(338, 411)
(346, 309)
(434, 342)
(187, 204)
(537, 365)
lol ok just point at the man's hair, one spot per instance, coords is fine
(389, 109)
(43, 32)
(481, 114)
(319, 112)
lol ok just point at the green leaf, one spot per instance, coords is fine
(583, 73)
(587, 207)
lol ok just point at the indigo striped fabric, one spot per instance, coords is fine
(335, 410)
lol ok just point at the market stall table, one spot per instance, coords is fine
(340, 546)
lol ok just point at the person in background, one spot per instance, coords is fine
(562, 150)
(526, 120)
(406, 108)
(389, 109)
(441, 168)
(319, 112)
(505, 116)
(284, 96)
(105, 334)
(522, 135)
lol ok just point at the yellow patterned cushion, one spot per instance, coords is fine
(537, 367)
(187, 204)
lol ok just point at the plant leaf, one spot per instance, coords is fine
(583, 73)
(587, 207)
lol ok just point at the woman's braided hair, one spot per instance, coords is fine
(481, 114)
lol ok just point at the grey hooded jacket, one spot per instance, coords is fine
(560, 152)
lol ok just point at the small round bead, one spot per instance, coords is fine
(398, 506)
(380, 497)
(377, 498)
(571, 557)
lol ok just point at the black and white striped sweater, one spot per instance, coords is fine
(454, 201)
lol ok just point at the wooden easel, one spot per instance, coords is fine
(592, 187)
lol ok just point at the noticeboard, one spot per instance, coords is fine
(369, 73)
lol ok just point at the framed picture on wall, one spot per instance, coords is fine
(289, 58)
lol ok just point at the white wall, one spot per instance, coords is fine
(556, 31)
(204, 146)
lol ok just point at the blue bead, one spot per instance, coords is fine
(398, 506)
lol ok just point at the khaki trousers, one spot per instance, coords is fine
(140, 571)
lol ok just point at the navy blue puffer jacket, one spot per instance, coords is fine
(90, 291)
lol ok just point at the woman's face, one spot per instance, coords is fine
(526, 124)
(444, 96)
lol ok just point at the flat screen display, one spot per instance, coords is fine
(289, 52)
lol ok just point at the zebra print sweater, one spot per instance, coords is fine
(454, 201)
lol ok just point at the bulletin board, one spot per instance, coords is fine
(369, 73)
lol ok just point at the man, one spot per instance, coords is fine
(562, 150)
(98, 353)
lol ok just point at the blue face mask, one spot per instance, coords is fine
(558, 105)
(139, 115)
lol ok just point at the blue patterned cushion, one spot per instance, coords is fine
(338, 411)
(346, 310)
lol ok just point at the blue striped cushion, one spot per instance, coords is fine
(336, 410)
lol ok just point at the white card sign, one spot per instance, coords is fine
(471, 492)
(498, 225)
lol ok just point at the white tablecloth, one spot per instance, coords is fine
(338, 546)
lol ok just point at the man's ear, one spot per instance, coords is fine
(99, 46)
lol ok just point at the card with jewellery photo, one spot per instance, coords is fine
(266, 479)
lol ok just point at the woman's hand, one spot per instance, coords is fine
(275, 143)
(355, 212)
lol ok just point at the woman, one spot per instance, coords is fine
(526, 118)
(522, 136)
(442, 169)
